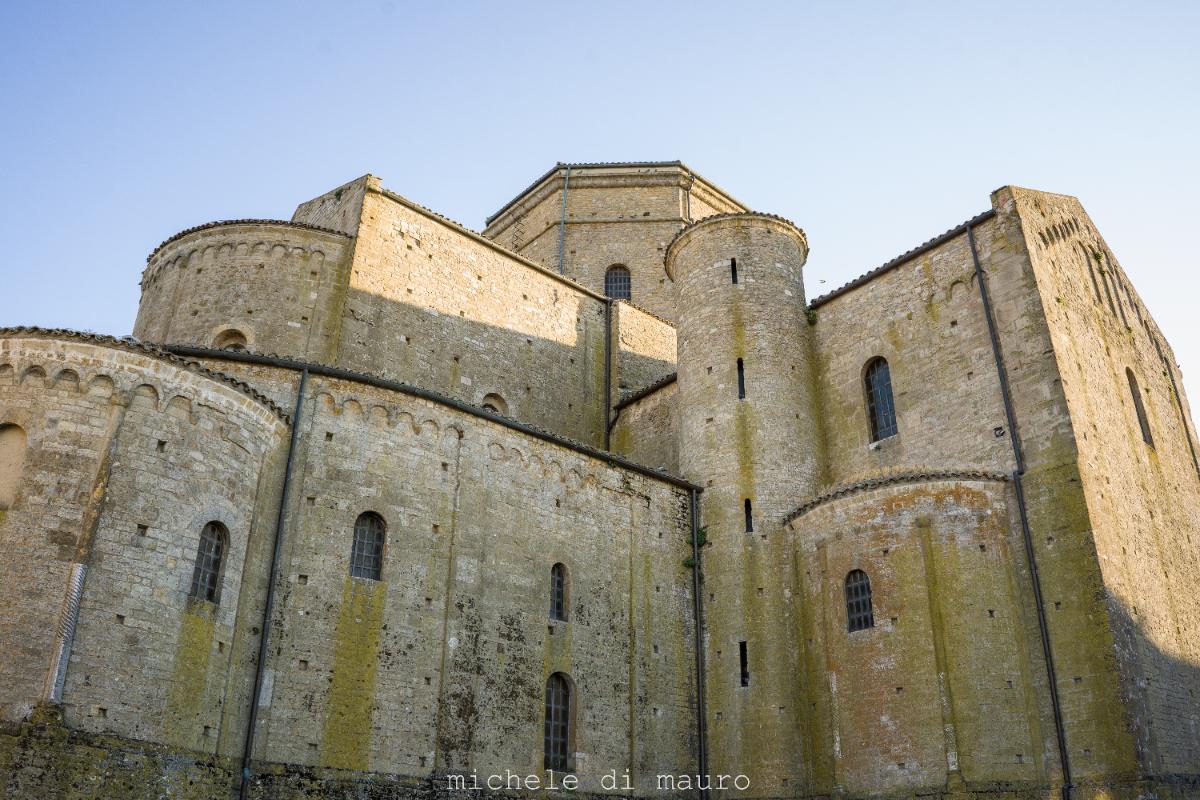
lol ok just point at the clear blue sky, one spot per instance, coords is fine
(872, 125)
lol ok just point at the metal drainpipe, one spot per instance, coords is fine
(562, 225)
(698, 615)
(270, 604)
(1027, 534)
(608, 351)
(64, 630)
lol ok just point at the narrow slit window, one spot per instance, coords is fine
(206, 576)
(558, 592)
(744, 662)
(733, 269)
(618, 284)
(880, 407)
(557, 736)
(366, 554)
(749, 508)
(741, 380)
(1140, 408)
(859, 614)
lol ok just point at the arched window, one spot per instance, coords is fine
(206, 577)
(617, 283)
(880, 408)
(495, 403)
(1139, 407)
(12, 458)
(859, 615)
(366, 555)
(556, 746)
(558, 592)
(230, 339)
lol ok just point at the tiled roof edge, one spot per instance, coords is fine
(645, 391)
(222, 222)
(903, 257)
(914, 476)
(135, 345)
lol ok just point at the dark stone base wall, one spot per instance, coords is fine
(46, 761)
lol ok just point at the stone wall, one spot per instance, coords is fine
(643, 349)
(615, 214)
(435, 305)
(945, 689)
(647, 429)
(272, 287)
(1142, 498)
(130, 454)
(925, 317)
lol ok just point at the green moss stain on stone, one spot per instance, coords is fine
(189, 677)
(346, 740)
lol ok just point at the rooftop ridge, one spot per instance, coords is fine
(645, 311)
(399, 198)
(645, 391)
(902, 258)
(219, 223)
(136, 345)
(431, 395)
(602, 165)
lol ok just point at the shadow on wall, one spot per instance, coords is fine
(554, 383)
(1161, 692)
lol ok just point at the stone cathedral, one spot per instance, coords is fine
(370, 501)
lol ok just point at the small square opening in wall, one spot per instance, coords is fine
(436, 528)
(428, 682)
(302, 580)
(142, 530)
(120, 619)
(655, 649)
(303, 665)
(161, 446)
(100, 711)
(429, 602)
(312, 501)
(328, 436)
(207, 731)
(421, 760)
(220, 647)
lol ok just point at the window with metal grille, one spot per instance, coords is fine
(366, 555)
(1139, 407)
(206, 577)
(558, 592)
(618, 284)
(880, 407)
(859, 615)
(557, 740)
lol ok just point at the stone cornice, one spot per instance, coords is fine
(735, 215)
(132, 345)
(220, 223)
(890, 479)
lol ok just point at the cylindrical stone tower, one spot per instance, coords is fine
(749, 435)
